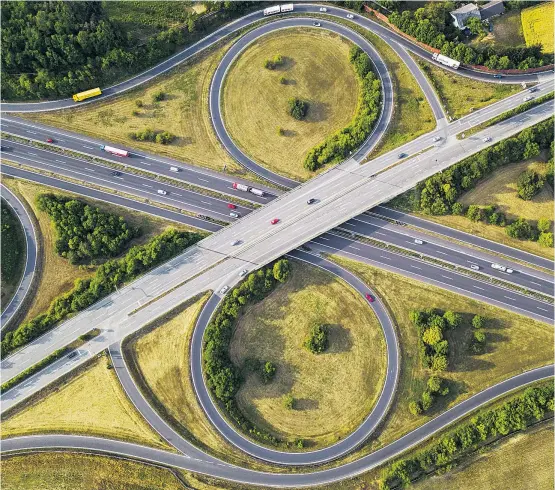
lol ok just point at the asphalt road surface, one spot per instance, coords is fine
(30, 255)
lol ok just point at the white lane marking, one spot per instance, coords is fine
(478, 287)
(145, 163)
(447, 277)
(414, 267)
(92, 170)
(536, 283)
(442, 253)
(89, 147)
(205, 202)
(121, 178)
(176, 194)
(386, 258)
(60, 161)
(61, 141)
(322, 238)
(379, 233)
(32, 132)
(34, 154)
(508, 297)
(146, 185)
(543, 309)
(204, 180)
(350, 246)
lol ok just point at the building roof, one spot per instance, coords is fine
(492, 8)
(469, 7)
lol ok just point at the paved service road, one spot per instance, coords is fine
(291, 480)
(313, 457)
(30, 255)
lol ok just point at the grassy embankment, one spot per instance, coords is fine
(13, 254)
(333, 391)
(89, 402)
(461, 95)
(514, 344)
(537, 25)
(315, 69)
(499, 189)
(184, 112)
(56, 273)
(507, 32)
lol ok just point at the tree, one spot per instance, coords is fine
(457, 209)
(546, 239)
(434, 384)
(453, 319)
(475, 213)
(478, 321)
(432, 335)
(427, 400)
(520, 229)
(479, 336)
(281, 270)
(268, 372)
(439, 363)
(476, 27)
(298, 108)
(288, 401)
(529, 183)
(317, 340)
(415, 407)
(544, 225)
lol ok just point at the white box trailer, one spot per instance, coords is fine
(115, 151)
(256, 192)
(288, 7)
(272, 10)
(444, 60)
(241, 187)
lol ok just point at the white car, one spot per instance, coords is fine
(162, 191)
(417, 240)
(174, 169)
(509, 271)
(499, 267)
(323, 9)
(243, 273)
(527, 98)
(436, 138)
(486, 139)
(316, 24)
(350, 16)
(234, 215)
(224, 290)
(475, 267)
(235, 242)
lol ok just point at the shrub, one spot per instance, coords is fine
(288, 401)
(317, 340)
(453, 319)
(546, 239)
(280, 131)
(165, 138)
(432, 335)
(479, 336)
(268, 372)
(457, 209)
(544, 225)
(298, 108)
(475, 213)
(281, 270)
(439, 363)
(521, 230)
(158, 96)
(139, 103)
(427, 400)
(529, 183)
(275, 62)
(478, 321)
(283, 80)
(415, 407)
(135, 112)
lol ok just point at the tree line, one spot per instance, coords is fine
(107, 277)
(223, 378)
(12, 244)
(433, 25)
(513, 415)
(57, 48)
(340, 144)
(85, 232)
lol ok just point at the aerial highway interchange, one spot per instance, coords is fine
(343, 196)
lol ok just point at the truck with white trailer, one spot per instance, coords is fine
(246, 188)
(114, 151)
(444, 60)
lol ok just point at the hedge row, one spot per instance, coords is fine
(85, 232)
(13, 244)
(107, 277)
(513, 415)
(339, 145)
(222, 376)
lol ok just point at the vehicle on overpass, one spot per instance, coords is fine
(114, 151)
(444, 60)
(87, 94)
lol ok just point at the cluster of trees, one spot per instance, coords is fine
(275, 62)
(266, 370)
(435, 386)
(478, 342)
(12, 245)
(513, 415)
(297, 108)
(53, 49)
(222, 376)
(85, 232)
(434, 349)
(520, 228)
(148, 134)
(529, 183)
(317, 340)
(433, 25)
(343, 142)
(437, 194)
(107, 277)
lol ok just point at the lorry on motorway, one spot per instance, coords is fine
(114, 151)
(246, 188)
(288, 7)
(93, 92)
(444, 60)
(501, 268)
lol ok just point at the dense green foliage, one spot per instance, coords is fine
(340, 144)
(13, 245)
(85, 232)
(222, 376)
(513, 415)
(317, 339)
(435, 387)
(297, 108)
(107, 277)
(56, 48)
(275, 62)
(529, 183)
(148, 134)
(433, 25)
(268, 372)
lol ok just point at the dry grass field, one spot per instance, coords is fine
(537, 25)
(500, 190)
(90, 403)
(57, 274)
(184, 113)
(316, 69)
(334, 390)
(515, 344)
(523, 461)
(461, 95)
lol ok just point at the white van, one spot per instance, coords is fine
(174, 169)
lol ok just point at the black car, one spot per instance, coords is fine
(72, 355)
(115, 173)
(401, 155)
(305, 248)
(311, 201)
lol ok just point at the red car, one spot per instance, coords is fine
(369, 298)
(231, 206)
(49, 140)
(274, 221)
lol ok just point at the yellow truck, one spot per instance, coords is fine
(93, 92)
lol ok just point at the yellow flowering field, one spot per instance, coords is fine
(537, 25)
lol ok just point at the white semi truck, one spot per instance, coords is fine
(444, 60)
(246, 188)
